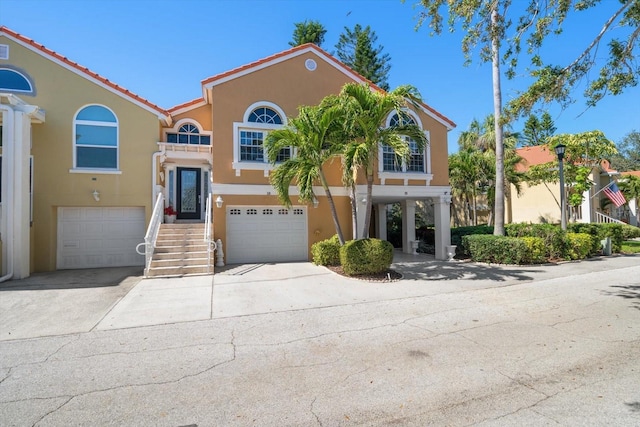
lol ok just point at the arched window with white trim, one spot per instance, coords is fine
(15, 81)
(95, 138)
(249, 136)
(188, 133)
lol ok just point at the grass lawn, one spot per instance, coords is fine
(631, 246)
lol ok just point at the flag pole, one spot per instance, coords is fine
(603, 188)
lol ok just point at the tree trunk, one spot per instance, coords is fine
(332, 207)
(368, 204)
(498, 229)
(354, 211)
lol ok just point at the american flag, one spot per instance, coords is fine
(615, 195)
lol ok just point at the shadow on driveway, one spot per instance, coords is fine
(72, 279)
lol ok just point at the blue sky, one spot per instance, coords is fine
(162, 49)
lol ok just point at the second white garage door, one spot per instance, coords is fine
(91, 237)
(266, 234)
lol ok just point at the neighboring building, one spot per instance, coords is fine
(541, 203)
(82, 165)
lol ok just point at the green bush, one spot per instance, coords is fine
(459, 232)
(326, 252)
(497, 249)
(615, 232)
(536, 251)
(554, 239)
(580, 245)
(630, 232)
(594, 230)
(366, 256)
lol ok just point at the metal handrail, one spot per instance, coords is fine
(152, 233)
(208, 238)
(602, 218)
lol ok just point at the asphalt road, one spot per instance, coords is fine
(554, 349)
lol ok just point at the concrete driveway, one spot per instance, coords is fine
(73, 301)
(454, 344)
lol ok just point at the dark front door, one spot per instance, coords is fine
(189, 193)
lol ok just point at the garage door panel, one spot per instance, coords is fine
(266, 234)
(93, 237)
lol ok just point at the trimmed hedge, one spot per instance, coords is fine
(554, 238)
(496, 249)
(459, 232)
(580, 245)
(591, 229)
(600, 231)
(366, 256)
(536, 251)
(630, 232)
(326, 252)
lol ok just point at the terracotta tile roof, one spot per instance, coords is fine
(534, 155)
(634, 173)
(185, 105)
(321, 52)
(83, 70)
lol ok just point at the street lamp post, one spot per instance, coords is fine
(563, 204)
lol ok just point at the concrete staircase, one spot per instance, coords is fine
(180, 251)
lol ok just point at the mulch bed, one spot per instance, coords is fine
(382, 277)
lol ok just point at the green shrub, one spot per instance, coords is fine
(580, 245)
(594, 230)
(615, 232)
(630, 232)
(366, 256)
(459, 232)
(536, 251)
(496, 249)
(326, 252)
(554, 239)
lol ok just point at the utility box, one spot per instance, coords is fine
(606, 246)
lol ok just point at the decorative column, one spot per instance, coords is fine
(408, 225)
(381, 221)
(442, 220)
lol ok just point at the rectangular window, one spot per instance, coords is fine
(416, 161)
(101, 158)
(251, 146)
(390, 162)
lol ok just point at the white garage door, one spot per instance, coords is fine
(266, 234)
(99, 237)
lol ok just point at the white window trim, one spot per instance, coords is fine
(181, 122)
(76, 122)
(24, 76)
(240, 165)
(403, 174)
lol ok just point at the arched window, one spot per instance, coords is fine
(14, 81)
(188, 133)
(95, 138)
(391, 162)
(259, 119)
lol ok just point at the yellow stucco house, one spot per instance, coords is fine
(83, 162)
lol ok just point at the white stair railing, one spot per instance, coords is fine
(208, 237)
(602, 218)
(152, 233)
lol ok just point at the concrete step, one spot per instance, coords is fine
(199, 226)
(178, 262)
(178, 271)
(180, 255)
(172, 236)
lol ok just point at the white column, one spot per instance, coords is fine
(633, 208)
(381, 221)
(361, 208)
(442, 219)
(586, 207)
(21, 201)
(408, 225)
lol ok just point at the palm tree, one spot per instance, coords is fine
(464, 176)
(364, 112)
(630, 187)
(312, 135)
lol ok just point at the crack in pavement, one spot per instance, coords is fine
(52, 411)
(314, 414)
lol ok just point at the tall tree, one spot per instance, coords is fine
(628, 157)
(537, 130)
(365, 111)
(357, 49)
(308, 32)
(313, 135)
(486, 23)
